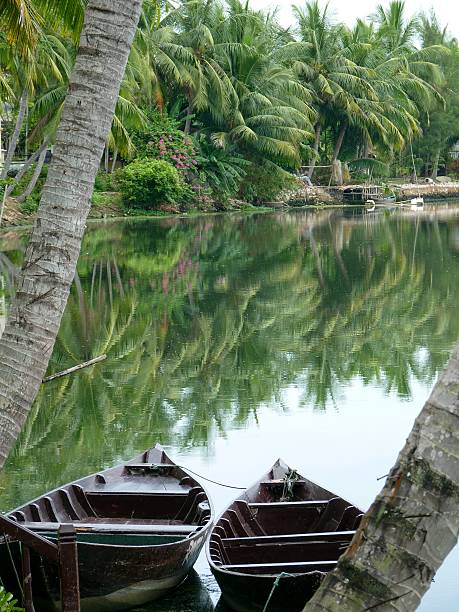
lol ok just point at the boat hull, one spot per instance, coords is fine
(140, 529)
(137, 574)
(250, 594)
(272, 547)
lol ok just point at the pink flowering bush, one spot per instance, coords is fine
(162, 139)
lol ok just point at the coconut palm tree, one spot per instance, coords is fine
(23, 21)
(45, 281)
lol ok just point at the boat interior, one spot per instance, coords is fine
(145, 497)
(269, 536)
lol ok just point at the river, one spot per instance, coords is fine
(232, 340)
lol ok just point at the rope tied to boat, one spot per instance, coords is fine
(275, 585)
(220, 484)
(289, 480)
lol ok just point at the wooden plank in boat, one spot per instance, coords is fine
(277, 568)
(116, 528)
(331, 536)
(284, 505)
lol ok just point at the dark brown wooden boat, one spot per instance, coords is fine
(278, 540)
(140, 527)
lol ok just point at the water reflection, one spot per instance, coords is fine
(211, 324)
(204, 321)
(194, 595)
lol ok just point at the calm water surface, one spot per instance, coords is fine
(233, 340)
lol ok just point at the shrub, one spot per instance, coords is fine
(103, 182)
(161, 138)
(147, 183)
(265, 182)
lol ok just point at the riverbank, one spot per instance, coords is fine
(109, 204)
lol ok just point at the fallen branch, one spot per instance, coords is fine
(86, 364)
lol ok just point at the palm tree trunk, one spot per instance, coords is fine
(35, 177)
(339, 141)
(315, 149)
(52, 254)
(115, 157)
(32, 159)
(414, 522)
(106, 153)
(16, 133)
(435, 163)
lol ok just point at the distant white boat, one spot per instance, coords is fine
(372, 204)
(417, 203)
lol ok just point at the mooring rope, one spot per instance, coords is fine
(220, 484)
(275, 585)
(5, 539)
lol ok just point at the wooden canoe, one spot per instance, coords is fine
(140, 527)
(278, 540)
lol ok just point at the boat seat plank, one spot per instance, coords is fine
(281, 482)
(331, 536)
(298, 505)
(116, 527)
(287, 552)
(144, 485)
(277, 568)
(150, 505)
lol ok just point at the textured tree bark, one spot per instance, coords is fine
(16, 133)
(35, 176)
(43, 288)
(414, 522)
(315, 148)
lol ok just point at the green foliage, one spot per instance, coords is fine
(31, 203)
(7, 603)
(223, 170)
(147, 183)
(104, 182)
(161, 138)
(265, 182)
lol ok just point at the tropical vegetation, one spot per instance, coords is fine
(237, 103)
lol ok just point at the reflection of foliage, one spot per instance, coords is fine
(203, 322)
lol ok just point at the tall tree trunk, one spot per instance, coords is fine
(51, 257)
(312, 165)
(414, 522)
(36, 175)
(435, 163)
(16, 133)
(339, 141)
(106, 154)
(115, 157)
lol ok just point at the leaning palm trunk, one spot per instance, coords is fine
(339, 141)
(315, 149)
(35, 176)
(16, 133)
(414, 522)
(27, 165)
(50, 262)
